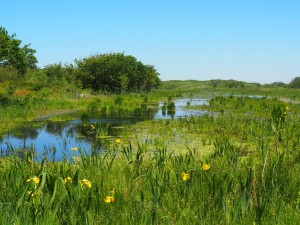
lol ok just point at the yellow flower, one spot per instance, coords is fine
(68, 180)
(74, 149)
(86, 182)
(109, 199)
(205, 167)
(93, 126)
(34, 179)
(185, 176)
(118, 141)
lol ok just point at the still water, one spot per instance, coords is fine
(91, 133)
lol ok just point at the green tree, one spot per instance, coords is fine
(151, 78)
(123, 83)
(12, 54)
(58, 72)
(116, 73)
(295, 83)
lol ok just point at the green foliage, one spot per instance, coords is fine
(230, 83)
(295, 83)
(57, 72)
(118, 101)
(116, 73)
(276, 85)
(8, 74)
(10, 90)
(12, 54)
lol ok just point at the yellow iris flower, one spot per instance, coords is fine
(68, 180)
(205, 167)
(34, 179)
(109, 199)
(86, 182)
(185, 176)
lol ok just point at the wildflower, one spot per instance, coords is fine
(118, 141)
(68, 180)
(93, 126)
(109, 199)
(86, 182)
(185, 176)
(74, 149)
(205, 167)
(34, 179)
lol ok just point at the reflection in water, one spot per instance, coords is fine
(26, 132)
(56, 128)
(171, 113)
(91, 132)
(179, 108)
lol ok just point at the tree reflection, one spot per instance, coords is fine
(56, 128)
(92, 130)
(26, 132)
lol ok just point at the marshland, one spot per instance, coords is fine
(105, 141)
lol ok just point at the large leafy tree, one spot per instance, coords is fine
(116, 73)
(295, 83)
(13, 54)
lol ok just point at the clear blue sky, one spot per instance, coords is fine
(248, 40)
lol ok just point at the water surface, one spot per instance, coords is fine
(54, 139)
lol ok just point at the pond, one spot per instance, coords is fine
(89, 132)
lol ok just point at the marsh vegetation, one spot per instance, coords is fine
(234, 158)
(237, 166)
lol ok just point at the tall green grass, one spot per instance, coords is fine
(137, 185)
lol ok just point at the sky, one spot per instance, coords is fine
(246, 40)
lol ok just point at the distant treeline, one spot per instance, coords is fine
(231, 84)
